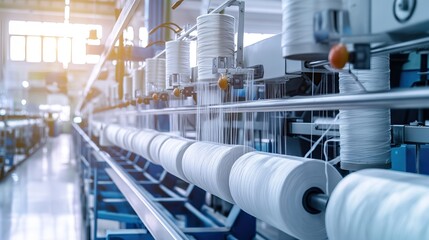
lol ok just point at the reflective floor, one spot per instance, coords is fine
(40, 198)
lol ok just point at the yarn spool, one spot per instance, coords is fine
(155, 147)
(138, 82)
(155, 74)
(208, 165)
(128, 87)
(377, 204)
(215, 39)
(177, 57)
(171, 155)
(141, 143)
(298, 42)
(365, 133)
(285, 181)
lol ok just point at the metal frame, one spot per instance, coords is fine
(124, 18)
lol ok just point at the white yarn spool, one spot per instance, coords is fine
(127, 87)
(155, 147)
(155, 74)
(298, 42)
(215, 39)
(138, 82)
(272, 187)
(141, 143)
(171, 155)
(379, 204)
(365, 134)
(208, 166)
(129, 137)
(177, 57)
(110, 132)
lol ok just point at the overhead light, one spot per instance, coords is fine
(77, 119)
(23, 102)
(25, 84)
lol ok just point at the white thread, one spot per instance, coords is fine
(271, 188)
(139, 82)
(141, 143)
(171, 155)
(155, 147)
(297, 38)
(208, 166)
(155, 74)
(365, 134)
(215, 39)
(177, 57)
(378, 204)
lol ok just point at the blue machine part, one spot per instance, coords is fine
(180, 201)
(404, 158)
(424, 159)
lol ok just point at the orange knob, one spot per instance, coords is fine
(155, 96)
(176, 92)
(223, 82)
(338, 56)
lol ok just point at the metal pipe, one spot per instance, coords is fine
(318, 201)
(410, 98)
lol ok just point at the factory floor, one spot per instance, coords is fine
(40, 198)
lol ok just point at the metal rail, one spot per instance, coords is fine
(158, 225)
(410, 98)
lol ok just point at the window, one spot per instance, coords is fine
(17, 48)
(143, 36)
(51, 42)
(49, 49)
(34, 49)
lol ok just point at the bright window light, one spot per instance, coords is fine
(51, 42)
(17, 48)
(79, 51)
(64, 50)
(49, 49)
(34, 49)
(143, 36)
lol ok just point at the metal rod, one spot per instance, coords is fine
(410, 98)
(318, 201)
